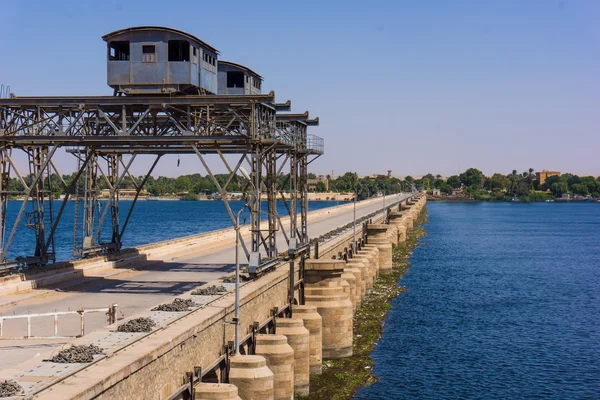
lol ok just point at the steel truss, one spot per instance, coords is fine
(107, 134)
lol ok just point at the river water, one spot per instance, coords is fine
(151, 221)
(502, 301)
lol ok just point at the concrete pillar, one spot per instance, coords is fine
(349, 277)
(378, 235)
(408, 221)
(314, 323)
(395, 218)
(368, 258)
(324, 290)
(375, 253)
(216, 391)
(359, 284)
(280, 360)
(298, 338)
(393, 234)
(252, 377)
(360, 270)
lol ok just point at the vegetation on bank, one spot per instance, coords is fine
(471, 183)
(342, 378)
(474, 184)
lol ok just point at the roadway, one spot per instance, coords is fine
(139, 289)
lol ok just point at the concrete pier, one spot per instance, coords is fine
(349, 277)
(360, 269)
(252, 377)
(324, 290)
(358, 282)
(395, 219)
(368, 259)
(216, 391)
(379, 236)
(314, 323)
(280, 360)
(298, 338)
(375, 254)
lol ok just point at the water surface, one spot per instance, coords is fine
(502, 301)
(151, 221)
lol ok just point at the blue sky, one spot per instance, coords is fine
(411, 86)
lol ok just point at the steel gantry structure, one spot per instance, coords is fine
(107, 134)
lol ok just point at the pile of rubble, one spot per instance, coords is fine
(10, 388)
(77, 354)
(210, 291)
(176, 305)
(142, 324)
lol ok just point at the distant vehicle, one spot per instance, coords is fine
(549, 201)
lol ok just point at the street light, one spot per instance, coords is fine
(237, 280)
(355, 199)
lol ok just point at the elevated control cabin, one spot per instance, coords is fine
(147, 60)
(236, 79)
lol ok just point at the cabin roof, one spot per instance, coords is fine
(240, 66)
(109, 36)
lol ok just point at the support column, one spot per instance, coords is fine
(298, 338)
(280, 360)
(378, 235)
(358, 282)
(252, 377)
(314, 323)
(395, 219)
(349, 277)
(216, 391)
(324, 290)
(360, 269)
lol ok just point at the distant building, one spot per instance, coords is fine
(312, 183)
(105, 193)
(545, 174)
(436, 192)
(389, 175)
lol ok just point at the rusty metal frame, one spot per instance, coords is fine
(105, 128)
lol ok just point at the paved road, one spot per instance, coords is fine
(138, 290)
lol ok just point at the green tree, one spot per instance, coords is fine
(454, 181)
(559, 188)
(472, 177)
(321, 187)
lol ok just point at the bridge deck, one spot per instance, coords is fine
(138, 290)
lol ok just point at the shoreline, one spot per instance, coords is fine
(342, 378)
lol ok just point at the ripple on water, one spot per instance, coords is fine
(502, 301)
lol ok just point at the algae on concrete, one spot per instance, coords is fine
(342, 378)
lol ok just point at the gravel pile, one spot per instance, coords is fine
(176, 305)
(10, 388)
(231, 279)
(210, 291)
(77, 354)
(142, 324)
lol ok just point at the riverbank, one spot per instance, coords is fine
(342, 378)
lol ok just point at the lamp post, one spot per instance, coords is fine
(355, 199)
(237, 281)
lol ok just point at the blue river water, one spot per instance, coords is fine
(151, 221)
(502, 302)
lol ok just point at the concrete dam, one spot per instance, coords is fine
(292, 317)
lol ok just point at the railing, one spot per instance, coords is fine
(315, 143)
(110, 311)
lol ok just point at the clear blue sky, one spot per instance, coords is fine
(411, 86)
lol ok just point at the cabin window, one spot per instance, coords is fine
(148, 53)
(118, 51)
(235, 79)
(179, 50)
